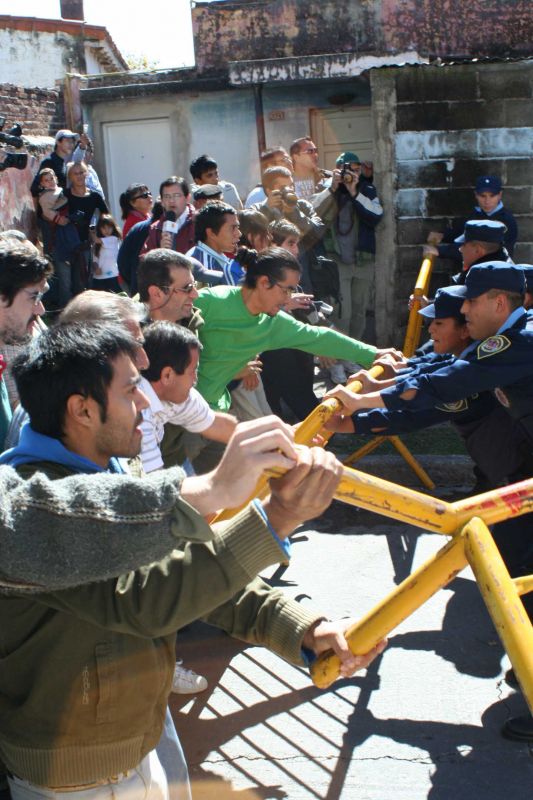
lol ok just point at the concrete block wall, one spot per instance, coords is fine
(453, 124)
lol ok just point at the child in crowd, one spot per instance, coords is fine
(60, 236)
(105, 268)
(285, 234)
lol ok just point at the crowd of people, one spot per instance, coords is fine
(187, 339)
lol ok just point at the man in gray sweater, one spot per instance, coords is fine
(111, 635)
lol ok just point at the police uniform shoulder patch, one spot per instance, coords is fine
(454, 408)
(492, 346)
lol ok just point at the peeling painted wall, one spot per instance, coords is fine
(231, 31)
(222, 123)
(38, 58)
(16, 203)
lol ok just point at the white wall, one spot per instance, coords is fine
(30, 59)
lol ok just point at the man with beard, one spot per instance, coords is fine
(23, 282)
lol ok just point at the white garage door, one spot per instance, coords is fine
(136, 151)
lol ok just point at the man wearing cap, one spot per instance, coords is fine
(491, 437)
(208, 192)
(500, 358)
(481, 240)
(489, 206)
(351, 240)
(58, 159)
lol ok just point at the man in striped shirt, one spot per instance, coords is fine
(217, 235)
(168, 382)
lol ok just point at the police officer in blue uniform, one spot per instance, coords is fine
(488, 192)
(492, 438)
(499, 360)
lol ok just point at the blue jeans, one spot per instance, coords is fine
(171, 756)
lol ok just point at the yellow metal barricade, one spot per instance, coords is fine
(305, 433)
(414, 323)
(466, 522)
(411, 342)
(471, 543)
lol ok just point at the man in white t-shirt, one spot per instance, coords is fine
(168, 382)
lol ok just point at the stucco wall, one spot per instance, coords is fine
(37, 58)
(222, 123)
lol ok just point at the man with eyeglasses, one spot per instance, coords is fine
(304, 154)
(23, 282)
(168, 289)
(179, 234)
(174, 230)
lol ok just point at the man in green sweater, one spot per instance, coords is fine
(91, 667)
(240, 322)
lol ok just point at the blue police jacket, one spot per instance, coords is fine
(502, 363)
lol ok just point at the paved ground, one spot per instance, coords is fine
(422, 723)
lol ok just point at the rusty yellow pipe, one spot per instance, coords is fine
(496, 505)
(305, 433)
(397, 606)
(502, 601)
(414, 323)
(395, 501)
(424, 511)
(364, 450)
(412, 462)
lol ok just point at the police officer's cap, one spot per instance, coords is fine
(482, 278)
(447, 303)
(206, 191)
(488, 183)
(348, 158)
(528, 274)
(483, 230)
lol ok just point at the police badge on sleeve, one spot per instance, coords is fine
(492, 345)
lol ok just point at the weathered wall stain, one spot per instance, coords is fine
(234, 31)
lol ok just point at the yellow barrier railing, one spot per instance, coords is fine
(411, 342)
(305, 433)
(414, 323)
(466, 521)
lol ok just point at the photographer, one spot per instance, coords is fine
(282, 202)
(351, 240)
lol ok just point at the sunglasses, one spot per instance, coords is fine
(190, 287)
(144, 196)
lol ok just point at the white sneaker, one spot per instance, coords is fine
(337, 374)
(186, 681)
